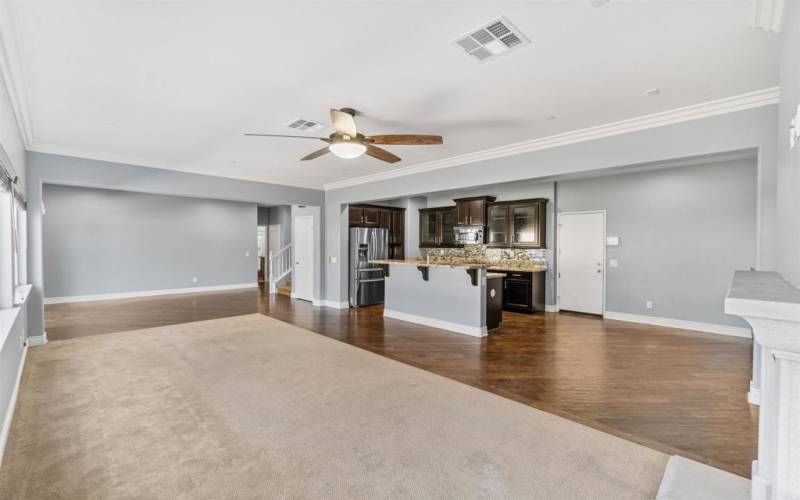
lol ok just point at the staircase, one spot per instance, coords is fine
(279, 267)
(285, 289)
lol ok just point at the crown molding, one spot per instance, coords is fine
(768, 15)
(750, 100)
(12, 74)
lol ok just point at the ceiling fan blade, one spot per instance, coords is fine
(343, 123)
(406, 139)
(291, 136)
(315, 154)
(381, 154)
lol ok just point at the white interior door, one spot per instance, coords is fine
(581, 262)
(303, 282)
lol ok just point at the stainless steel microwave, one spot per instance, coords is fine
(469, 234)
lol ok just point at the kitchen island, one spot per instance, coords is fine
(450, 296)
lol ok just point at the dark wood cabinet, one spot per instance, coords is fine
(428, 236)
(372, 217)
(396, 220)
(517, 224)
(498, 234)
(436, 227)
(472, 211)
(391, 218)
(528, 224)
(523, 291)
(355, 215)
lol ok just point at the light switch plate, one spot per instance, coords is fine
(332, 259)
(612, 241)
(612, 263)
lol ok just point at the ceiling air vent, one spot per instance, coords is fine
(306, 125)
(494, 38)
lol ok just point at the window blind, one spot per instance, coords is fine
(7, 182)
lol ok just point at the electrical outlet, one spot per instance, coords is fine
(332, 259)
(194, 280)
(649, 304)
(613, 263)
(247, 254)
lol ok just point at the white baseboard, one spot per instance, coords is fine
(754, 396)
(334, 304)
(37, 340)
(473, 331)
(12, 403)
(735, 331)
(146, 293)
(550, 308)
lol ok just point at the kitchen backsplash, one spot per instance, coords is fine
(484, 253)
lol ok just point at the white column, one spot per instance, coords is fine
(772, 307)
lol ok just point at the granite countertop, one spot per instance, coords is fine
(505, 266)
(495, 275)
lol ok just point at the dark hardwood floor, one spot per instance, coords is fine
(677, 391)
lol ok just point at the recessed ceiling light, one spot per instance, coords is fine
(654, 92)
(598, 3)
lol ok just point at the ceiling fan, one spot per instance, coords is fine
(347, 143)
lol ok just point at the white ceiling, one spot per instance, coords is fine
(175, 84)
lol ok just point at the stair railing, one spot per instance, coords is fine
(280, 266)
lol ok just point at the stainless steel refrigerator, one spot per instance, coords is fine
(366, 279)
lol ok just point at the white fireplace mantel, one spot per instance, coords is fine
(771, 305)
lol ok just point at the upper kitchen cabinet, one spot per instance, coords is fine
(372, 217)
(498, 226)
(364, 216)
(355, 215)
(519, 224)
(391, 218)
(436, 227)
(528, 223)
(427, 228)
(472, 211)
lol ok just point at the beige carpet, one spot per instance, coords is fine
(250, 407)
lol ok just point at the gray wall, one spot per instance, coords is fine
(747, 129)
(448, 295)
(683, 231)
(282, 215)
(99, 241)
(788, 160)
(263, 216)
(65, 170)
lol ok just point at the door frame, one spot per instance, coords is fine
(312, 264)
(558, 254)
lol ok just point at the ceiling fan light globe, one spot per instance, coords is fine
(347, 149)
